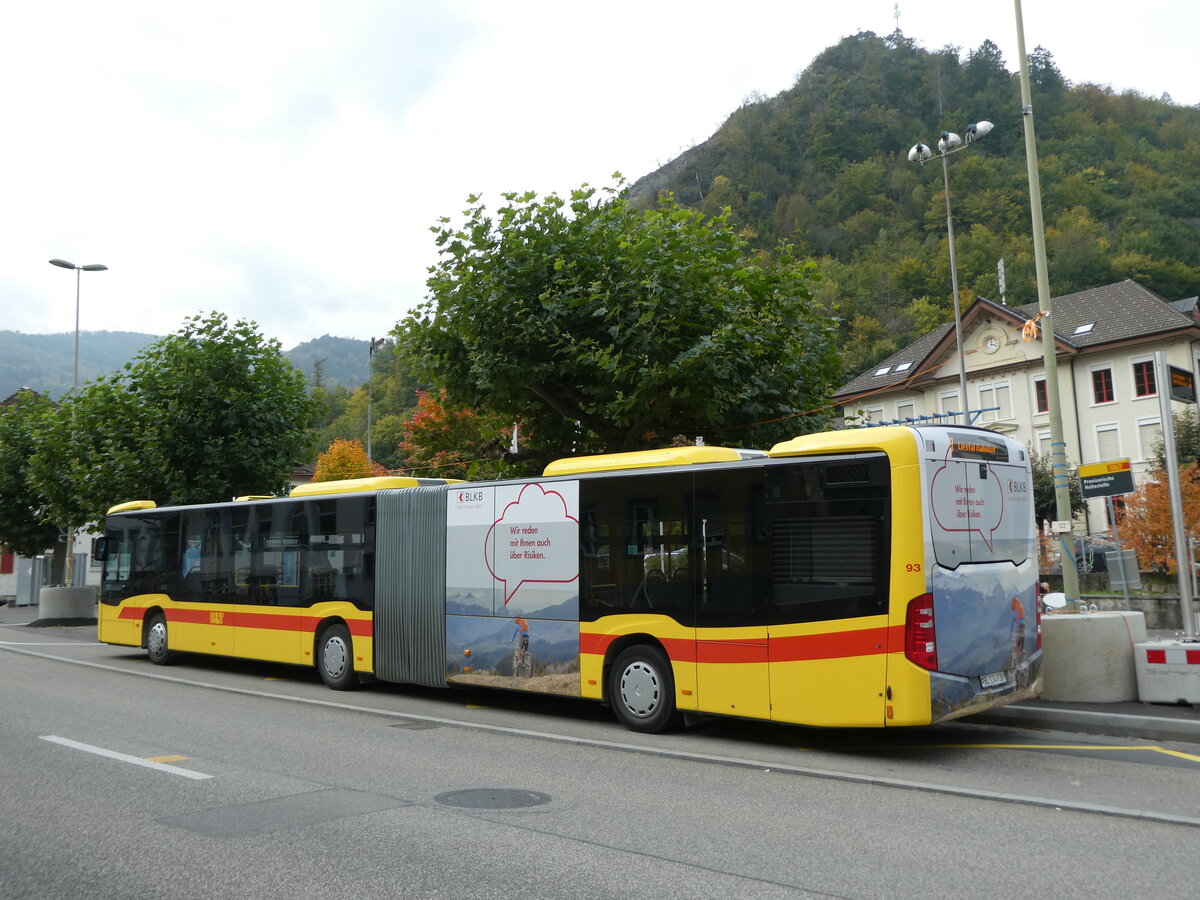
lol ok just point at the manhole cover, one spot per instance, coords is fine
(493, 798)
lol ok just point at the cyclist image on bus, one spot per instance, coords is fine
(522, 660)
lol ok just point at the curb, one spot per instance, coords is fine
(1111, 724)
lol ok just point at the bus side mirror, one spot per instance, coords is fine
(100, 549)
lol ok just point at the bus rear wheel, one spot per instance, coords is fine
(641, 690)
(335, 658)
(157, 648)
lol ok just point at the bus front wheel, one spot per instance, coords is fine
(157, 648)
(641, 690)
(335, 658)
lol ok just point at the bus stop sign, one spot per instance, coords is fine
(1106, 479)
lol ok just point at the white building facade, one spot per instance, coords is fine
(1106, 338)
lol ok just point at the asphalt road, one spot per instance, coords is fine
(215, 778)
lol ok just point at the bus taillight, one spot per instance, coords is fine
(920, 638)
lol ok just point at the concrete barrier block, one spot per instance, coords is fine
(1168, 671)
(1089, 657)
(68, 602)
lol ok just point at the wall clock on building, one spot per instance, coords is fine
(991, 345)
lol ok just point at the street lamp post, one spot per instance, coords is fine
(91, 267)
(948, 143)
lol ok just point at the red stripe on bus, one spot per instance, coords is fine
(831, 645)
(835, 645)
(263, 621)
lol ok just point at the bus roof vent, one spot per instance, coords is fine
(641, 459)
(848, 473)
(132, 505)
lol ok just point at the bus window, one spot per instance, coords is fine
(339, 561)
(156, 555)
(829, 531)
(730, 574)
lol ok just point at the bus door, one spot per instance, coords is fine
(202, 621)
(726, 559)
(270, 540)
(827, 526)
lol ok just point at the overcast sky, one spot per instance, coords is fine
(283, 162)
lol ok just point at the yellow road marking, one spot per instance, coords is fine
(165, 759)
(1090, 747)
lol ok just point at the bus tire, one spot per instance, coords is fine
(335, 658)
(157, 648)
(641, 690)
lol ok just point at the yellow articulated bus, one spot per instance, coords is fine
(861, 578)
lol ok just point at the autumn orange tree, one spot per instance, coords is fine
(441, 440)
(1145, 522)
(346, 459)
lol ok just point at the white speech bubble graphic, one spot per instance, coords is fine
(970, 505)
(534, 540)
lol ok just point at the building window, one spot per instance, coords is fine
(995, 402)
(948, 404)
(1143, 379)
(906, 409)
(1108, 442)
(1102, 386)
(1044, 444)
(1149, 437)
(1041, 396)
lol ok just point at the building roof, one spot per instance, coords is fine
(1112, 313)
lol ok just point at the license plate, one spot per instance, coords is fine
(995, 679)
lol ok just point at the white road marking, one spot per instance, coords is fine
(124, 757)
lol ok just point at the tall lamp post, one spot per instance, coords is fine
(91, 267)
(948, 143)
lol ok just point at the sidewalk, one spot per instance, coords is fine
(1128, 719)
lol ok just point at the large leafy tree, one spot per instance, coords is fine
(604, 328)
(221, 412)
(210, 412)
(26, 525)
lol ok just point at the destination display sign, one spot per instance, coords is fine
(1106, 479)
(1183, 384)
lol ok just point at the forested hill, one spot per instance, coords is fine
(45, 362)
(824, 166)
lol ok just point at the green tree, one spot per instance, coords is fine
(1045, 507)
(1187, 439)
(606, 329)
(26, 525)
(210, 412)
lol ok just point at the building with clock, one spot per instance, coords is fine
(1105, 340)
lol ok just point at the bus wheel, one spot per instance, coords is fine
(156, 640)
(642, 691)
(335, 658)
